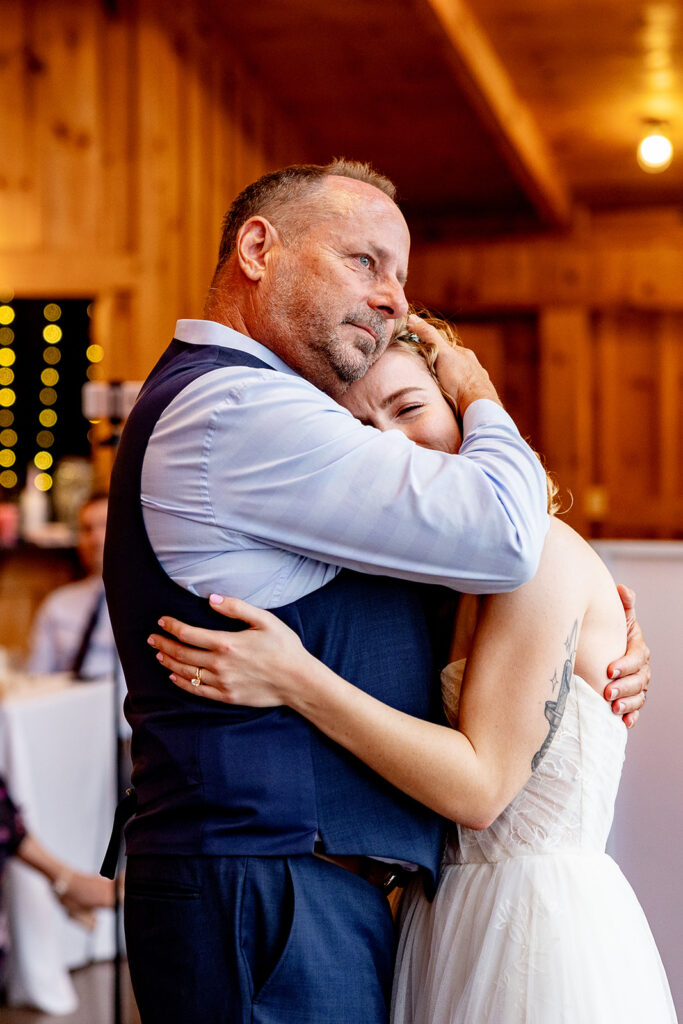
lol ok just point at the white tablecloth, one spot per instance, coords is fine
(57, 750)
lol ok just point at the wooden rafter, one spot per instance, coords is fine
(492, 93)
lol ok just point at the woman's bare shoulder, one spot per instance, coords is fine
(602, 635)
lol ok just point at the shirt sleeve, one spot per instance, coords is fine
(42, 642)
(295, 470)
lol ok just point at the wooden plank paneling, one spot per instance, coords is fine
(69, 127)
(19, 69)
(566, 412)
(129, 134)
(119, 172)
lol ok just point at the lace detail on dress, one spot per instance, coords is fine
(568, 802)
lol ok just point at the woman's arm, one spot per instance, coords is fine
(522, 656)
(79, 893)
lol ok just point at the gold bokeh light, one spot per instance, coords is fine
(47, 417)
(43, 482)
(52, 356)
(52, 334)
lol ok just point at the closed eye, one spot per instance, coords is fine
(415, 407)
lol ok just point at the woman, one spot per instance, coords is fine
(529, 911)
(80, 894)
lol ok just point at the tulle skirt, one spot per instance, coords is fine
(547, 939)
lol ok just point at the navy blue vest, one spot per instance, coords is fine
(213, 779)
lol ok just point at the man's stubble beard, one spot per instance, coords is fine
(319, 342)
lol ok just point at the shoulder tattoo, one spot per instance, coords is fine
(554, 709)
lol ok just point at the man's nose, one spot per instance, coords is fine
(389, 299)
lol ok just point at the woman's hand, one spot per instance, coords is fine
(458, 369)
(255, 667)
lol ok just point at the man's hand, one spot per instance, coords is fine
(632, 670)
(459, 371)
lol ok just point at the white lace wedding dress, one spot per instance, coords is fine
(532, 922)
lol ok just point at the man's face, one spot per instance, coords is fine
(335, 292)
(92, 523)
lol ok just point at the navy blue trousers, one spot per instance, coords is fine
(256, 940)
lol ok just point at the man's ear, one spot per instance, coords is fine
(255, 241)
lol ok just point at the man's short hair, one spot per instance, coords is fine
(272, 192)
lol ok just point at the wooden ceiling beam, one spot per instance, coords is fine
(489, 88)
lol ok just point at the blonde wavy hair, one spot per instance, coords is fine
(408, 341)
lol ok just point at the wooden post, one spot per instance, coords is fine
(566, 413)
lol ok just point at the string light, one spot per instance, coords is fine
(8, 438)
(43, 481)
(94, 353)
(47, 417)
(49, 377)
(52, 334)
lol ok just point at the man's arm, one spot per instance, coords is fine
(632, 669)
(287, 468)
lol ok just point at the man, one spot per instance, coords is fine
(71, 631)
(260, 853)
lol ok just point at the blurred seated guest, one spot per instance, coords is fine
(80, 894)
(71, 631)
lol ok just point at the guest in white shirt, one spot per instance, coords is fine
(71, 631)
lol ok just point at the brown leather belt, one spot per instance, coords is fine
(386, 877)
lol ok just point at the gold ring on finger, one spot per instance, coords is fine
(197, 677)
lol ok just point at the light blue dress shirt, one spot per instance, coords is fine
(257, 485)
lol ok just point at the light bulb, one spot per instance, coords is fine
(655, 153)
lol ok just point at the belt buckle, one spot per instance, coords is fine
(391, 881)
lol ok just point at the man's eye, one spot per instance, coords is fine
(365, 261)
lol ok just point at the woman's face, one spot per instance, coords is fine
(399, 393)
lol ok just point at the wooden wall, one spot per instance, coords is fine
(124, 139)
(595, 378)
